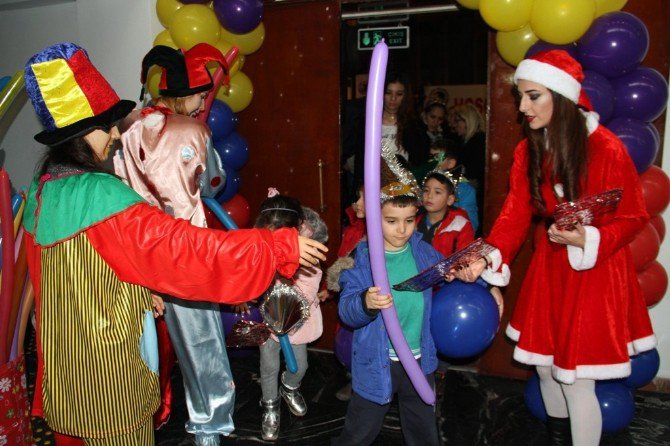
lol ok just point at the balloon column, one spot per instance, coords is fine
(224, 24)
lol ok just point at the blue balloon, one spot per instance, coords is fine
(641, 94)
(464, 319)
(640, 138)
(644, 368)
(533, 398)
(614, 44)
(344, 339)
(233, 150)
(601, 94)
(617, 405)
(222, 120)
(4, 81)
(231, 187)
(239, 16)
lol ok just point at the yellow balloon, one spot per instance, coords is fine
(239, 94)
(562, 21)
(163, 38)
(505, 15)
(153, 79)
(165, 9)
(247, 43)
(470, 4)
(224, 46)
(605, 6)
(193, 24)
(512, 45)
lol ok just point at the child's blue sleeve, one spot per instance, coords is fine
(466, 199)
(354, 283)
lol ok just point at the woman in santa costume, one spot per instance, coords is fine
(580, 312)
(95, 249)
(168, 158)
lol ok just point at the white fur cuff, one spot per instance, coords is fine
(583, 259)
(491, 274)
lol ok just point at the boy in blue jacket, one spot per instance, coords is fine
(377, 374)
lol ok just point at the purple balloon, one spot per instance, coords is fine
(615, 43)
(641, 94)
(233, 150)
(541, 45)
(344, 339)
(533, 398)
(372, 166)
(644, 368)
(640, 138)
(232, 185)
(601, 94)
(222, 120)
(617, 405)
(239, 16)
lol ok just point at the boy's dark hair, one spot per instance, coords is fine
(451, 189)
(402, 201)
(280, 211)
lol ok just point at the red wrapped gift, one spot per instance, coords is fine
(14, 405)
(587, 210)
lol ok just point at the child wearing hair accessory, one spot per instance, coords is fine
(281, 211)
(445, 227)
(377, 374)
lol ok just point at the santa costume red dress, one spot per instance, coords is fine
(579, 311)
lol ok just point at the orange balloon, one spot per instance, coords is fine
(164, 38)
(644, 247)
(239, 94)
(655, 190)
(193, 24)
(165, 9)
(247, 43)
(512, 45)
(653, 281)
(153, 79)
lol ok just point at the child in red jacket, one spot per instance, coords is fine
(445, 227)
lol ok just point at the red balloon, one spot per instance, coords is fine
(238, 209)
(658, 224)
(644, 247)
(655, 190)
(654, 283)
(212, 221)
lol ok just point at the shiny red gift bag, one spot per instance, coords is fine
(14, 405)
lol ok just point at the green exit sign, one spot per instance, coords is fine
(395, 37)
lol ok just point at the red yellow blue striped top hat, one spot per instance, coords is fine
(70, 95)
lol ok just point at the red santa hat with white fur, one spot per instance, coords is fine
(559, 72)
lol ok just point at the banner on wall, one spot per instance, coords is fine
(462, 94)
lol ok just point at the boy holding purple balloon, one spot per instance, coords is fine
(377, 374)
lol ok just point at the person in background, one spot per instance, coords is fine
(443, 226)
(470, 129)
(376, 371)
(95, 249)
(168, 159)
(281, 211)
(433, 116)
(580, 313)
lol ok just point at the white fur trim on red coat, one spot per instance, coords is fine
(456, 224)
(498, 273)
(642, 345)
(583, 259)
(530, 358)
(597, 372)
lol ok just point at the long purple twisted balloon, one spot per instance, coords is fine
(373, 137)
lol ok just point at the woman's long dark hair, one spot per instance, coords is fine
(562, 147)
(406, 109)
(75, 153)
